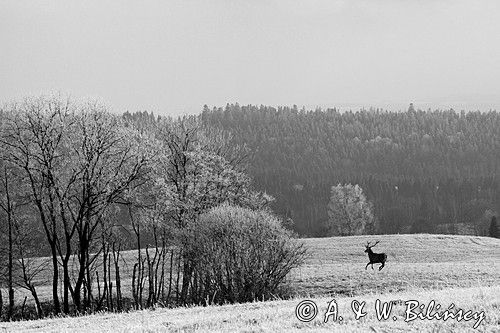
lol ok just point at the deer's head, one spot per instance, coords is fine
(369, 247)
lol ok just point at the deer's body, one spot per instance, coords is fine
(375, 258)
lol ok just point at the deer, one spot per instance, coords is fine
(375, 258)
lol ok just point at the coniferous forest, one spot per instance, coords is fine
(424, 171)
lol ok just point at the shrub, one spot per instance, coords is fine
(240, 255)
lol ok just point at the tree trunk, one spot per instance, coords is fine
(55, 280)
(39, 310)
(170, 274)
(110, 293)
(116, 258)
(66, 284)
(1, 303)
(88, 286)
(187, 271)
(81, 275)
(10, 268)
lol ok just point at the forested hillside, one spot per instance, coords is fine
(425, 171)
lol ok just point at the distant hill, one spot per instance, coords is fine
(440, 167)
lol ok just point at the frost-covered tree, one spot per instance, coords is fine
(78, 159)
(349, 211)
(194, 173)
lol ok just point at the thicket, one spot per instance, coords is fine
(240, 255)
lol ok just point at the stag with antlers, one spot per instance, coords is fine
(375, 258)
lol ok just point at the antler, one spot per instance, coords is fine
(370, 246)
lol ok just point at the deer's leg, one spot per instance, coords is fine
(381, 266)
(372, 265)
(366, 267)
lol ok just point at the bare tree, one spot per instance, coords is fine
(30, 266)
(32, 137)
(79, 160)
(7, 204)
(21, 269)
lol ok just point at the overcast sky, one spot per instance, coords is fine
(173, 57)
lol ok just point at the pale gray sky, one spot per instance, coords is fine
(172, 57)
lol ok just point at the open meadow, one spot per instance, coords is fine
(463, 270)
(337, 265)
(279, 316)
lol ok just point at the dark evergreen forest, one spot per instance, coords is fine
(425, 171)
